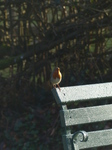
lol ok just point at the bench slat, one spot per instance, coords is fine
(83, 92)
(95, 139)
(86, 115)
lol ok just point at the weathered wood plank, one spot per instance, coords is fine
(95, 139)
(86, 115)
(83, 92)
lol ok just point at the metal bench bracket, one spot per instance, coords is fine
(82, 138)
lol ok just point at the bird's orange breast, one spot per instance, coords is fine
(57, 75)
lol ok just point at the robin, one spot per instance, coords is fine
(56, 77)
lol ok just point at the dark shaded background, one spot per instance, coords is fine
(36, 36)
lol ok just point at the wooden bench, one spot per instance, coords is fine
(86, 115)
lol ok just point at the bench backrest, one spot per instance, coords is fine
(85, 115)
